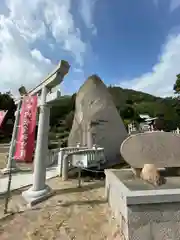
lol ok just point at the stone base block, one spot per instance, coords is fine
(142, 211)
(33, 197)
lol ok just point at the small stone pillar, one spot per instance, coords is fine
(60, 159)
(177, 131)
(89, 139)
(65, 168)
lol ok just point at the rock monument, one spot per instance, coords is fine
(146, 152)
(97, 121)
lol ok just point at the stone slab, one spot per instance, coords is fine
(159, 148)
(134, 183)
(136, 191)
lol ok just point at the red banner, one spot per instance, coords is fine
(26, 132)
(2, 116)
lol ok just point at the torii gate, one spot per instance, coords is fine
(39, 189)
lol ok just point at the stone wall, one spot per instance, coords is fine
(117, 203)
(152, 221)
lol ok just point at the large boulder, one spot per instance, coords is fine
(97, 121)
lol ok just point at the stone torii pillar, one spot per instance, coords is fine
(39, 189)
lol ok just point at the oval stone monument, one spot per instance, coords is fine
(159, 148)
(97, 121)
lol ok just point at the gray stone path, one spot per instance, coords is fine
(20, 180)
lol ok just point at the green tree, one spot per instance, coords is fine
(7, 103)
(127, 112)
(176, 87)
(129, 102)
(69, 120)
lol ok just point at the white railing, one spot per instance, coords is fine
(177, 131)
(64, 151)
(94, 156)
(131, 129)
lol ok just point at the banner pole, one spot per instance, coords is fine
(10, 156)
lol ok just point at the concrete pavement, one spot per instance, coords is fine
(20, 179)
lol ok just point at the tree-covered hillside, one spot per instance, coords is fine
(129, 103)
(143, 103)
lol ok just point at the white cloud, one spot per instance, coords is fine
(174, 4)
(60, 20)
(18, 64)
(86, 11)
(24, 24)
(26, 18)
(160, 80)
(77, 70)
(156, 2)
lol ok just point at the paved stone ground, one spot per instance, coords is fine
(72, 213)
(23, 166)
(2, 160)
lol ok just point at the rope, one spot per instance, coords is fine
(87, 170)
(90, 170)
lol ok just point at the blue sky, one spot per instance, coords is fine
(128, 43)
